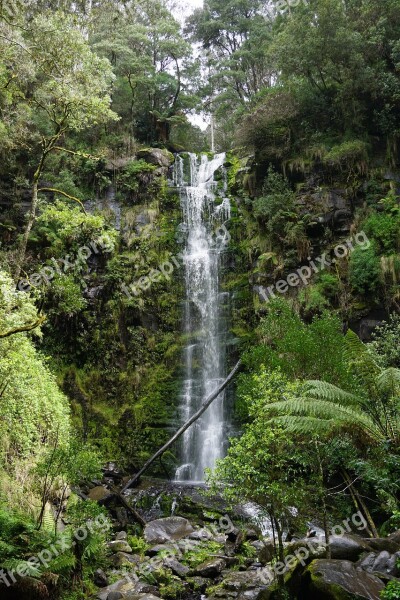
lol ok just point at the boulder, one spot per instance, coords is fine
(201, 534)
(253, 533)
(120, 546)
(25, 588)
(163, 548)
(98, 493)
(395, 537)
(176, 567)
(167, 530)
(233, 542)
(211, 568)
(114, 596)
(123, 559)
(340, 580)
(100, 578)
(123, 587)
(199, 584)
(248, 585)
(157, 156)
(265, 551)
(348, 547)
(383, 563)
(380, 544)
(121, 535)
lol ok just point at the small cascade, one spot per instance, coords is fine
(205, 211)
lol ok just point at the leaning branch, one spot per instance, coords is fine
(184, 427)
(56, 191)
(23, 328)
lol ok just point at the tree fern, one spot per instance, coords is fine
(328, 415)
(389, 381)
(332, 393)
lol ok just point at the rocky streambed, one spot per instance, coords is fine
(194, 546)
(182, 560)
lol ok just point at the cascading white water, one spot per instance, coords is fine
(204, 356)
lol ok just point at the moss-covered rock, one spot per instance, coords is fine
(339, 580)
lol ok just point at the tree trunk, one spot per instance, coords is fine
(28, 228)
(184, 427)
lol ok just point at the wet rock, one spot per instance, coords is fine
(248, 585)
(120, 546)
(100, 578)
(122, 587)
(383, 563)
(26, 588)
(348, 547)
(395, 537)
(306, 550)
(211, 568)
(340, 580)
(237, 581)
(201, 534)
(199, 584)
(253, 533)
(235, 538)
(129, 590)
(98, 493)
(163, 548)
(381, 544)
(176, 567)
(121, 535)
(114, 596)
(145, 588)
(157, 156)
(166, 530)
(123, 559)
(265, 551)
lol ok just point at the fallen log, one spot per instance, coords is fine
(184, 427)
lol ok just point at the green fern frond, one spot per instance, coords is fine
(356, 352)
(332, 416)
(331, 393)
(389, 381)
(304, 425)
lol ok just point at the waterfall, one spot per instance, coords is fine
(205, 211)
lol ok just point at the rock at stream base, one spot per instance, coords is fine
(156, 156)
(176, 567)
(120, 546)
(27, 588)
(211, 568)
(340, 580)
(100, 578)
(348, 547)
(167, 530)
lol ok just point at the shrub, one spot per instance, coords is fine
(365, 272)
(391, 591)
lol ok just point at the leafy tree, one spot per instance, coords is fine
(34, 411)
(65, 88)
(365, 271)
(373, 412)
(150, 57)
(299, 349)
(234, 35)
(62, 466)
(264, 465)
(386, 342)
